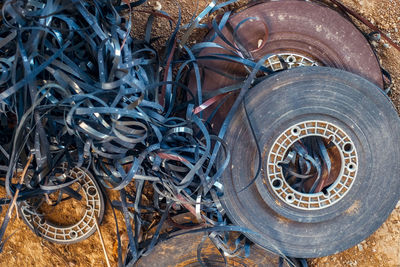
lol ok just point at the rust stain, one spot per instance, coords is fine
(283, 220)
(278, 203)
(354, 208)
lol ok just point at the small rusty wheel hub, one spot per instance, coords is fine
(290, 60)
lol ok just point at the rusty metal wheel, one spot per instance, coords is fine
(325, 115)
(295, 33)
(181, 251)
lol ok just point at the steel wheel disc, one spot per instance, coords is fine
(182, 251)
(314, 101)
(307, 32)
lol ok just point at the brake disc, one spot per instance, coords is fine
(181, 251)
(70, 221)
(360, 129)
(293, 33)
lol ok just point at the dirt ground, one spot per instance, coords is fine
(24, 248)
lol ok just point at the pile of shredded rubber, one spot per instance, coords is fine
(79, 95)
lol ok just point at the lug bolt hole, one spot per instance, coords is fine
(348, 148)
(277, 183)
(296, 131)
(92, 191)
(73, 234)
(290, 198)
(351, 167)
(291, 59)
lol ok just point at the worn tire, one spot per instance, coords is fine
(314, 93)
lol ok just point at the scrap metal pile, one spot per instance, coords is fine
(222, 129)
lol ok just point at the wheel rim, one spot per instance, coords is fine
(346, 162)
(77, 231)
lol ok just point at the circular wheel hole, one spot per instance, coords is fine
(291, 59)
(348, 147)
(296, 131)
(73, 234)
(42, 221)
(290, 198)
(351, 166)
(277, 183)
(92, 191)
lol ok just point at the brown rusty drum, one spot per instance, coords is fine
(301, 33)
(181, 251)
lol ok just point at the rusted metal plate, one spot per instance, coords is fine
(182, 251)
(315, 32)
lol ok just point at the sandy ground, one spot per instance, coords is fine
(380, 249)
